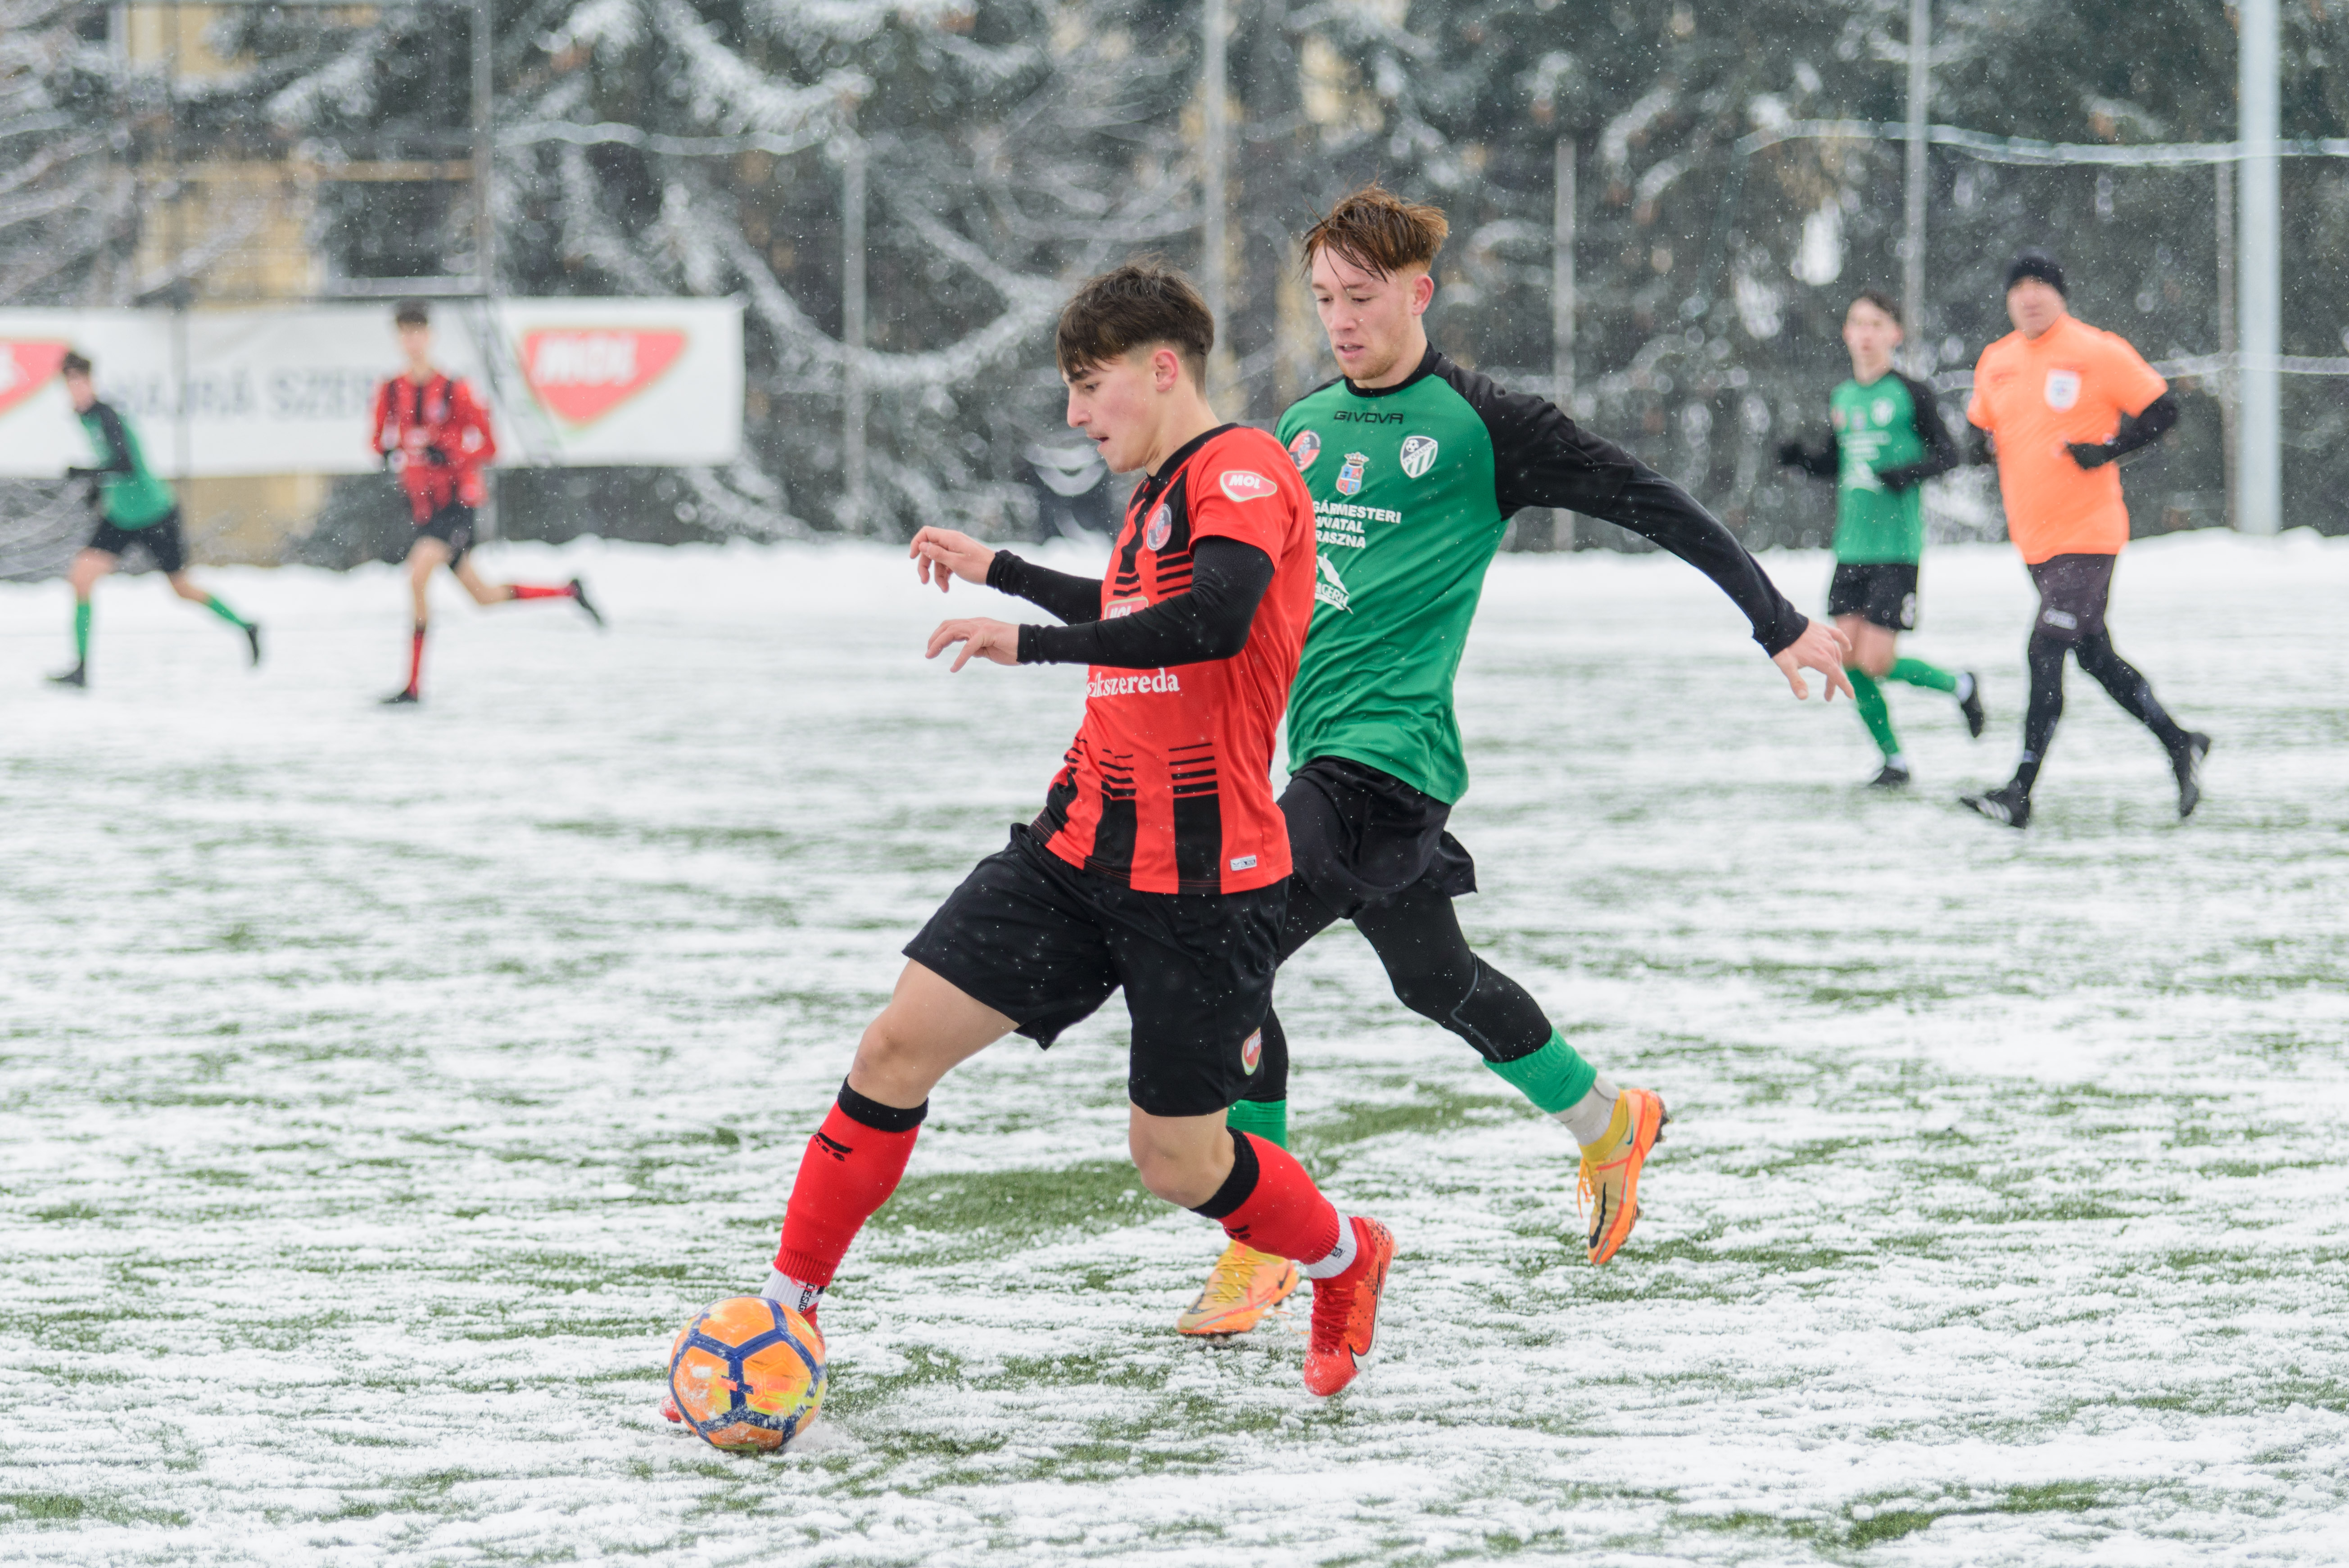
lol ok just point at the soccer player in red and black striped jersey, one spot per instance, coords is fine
(431, 430)
(1160, 861)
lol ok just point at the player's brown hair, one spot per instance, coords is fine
(1880, 300)
(1133, 306)
(411, 313)
(75, 363)
(1378, 232)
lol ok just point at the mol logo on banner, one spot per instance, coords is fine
(26, 368)
(582, 373)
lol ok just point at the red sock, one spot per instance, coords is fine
(534, 591)
(416, 662)
(1283, 1213)
(851, 1167)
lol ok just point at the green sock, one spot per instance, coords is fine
(224, 612)
(1918, 673)
(1553, 1077)
(1869, 697)
(81, 631)
(1267, 1119)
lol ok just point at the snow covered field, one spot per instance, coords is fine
(381, 1088)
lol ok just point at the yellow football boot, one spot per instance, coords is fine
(1609, 1195)
(1245, 1285)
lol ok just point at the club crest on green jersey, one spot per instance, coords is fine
(1418, 455)
(1304, 449)
(1349, 472)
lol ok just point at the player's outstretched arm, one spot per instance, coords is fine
(941, 555)
(1819, 463)
(1211, 620)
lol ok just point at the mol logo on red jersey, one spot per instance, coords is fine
(26, 368)
(582, 373)
(1242, 484)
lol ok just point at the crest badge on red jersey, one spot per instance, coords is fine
(1155, 531)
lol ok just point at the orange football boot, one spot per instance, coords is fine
(1609, 1190)
(1245, 1285)
(1346, 1310)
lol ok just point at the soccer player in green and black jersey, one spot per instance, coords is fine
(1415, 467)
(135, 509)
(1885, 439)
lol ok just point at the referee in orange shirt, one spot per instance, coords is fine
(2055, 403)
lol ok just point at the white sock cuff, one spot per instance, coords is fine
(797, 1295)
(1342, 1256)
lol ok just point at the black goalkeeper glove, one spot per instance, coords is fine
(2091, 454)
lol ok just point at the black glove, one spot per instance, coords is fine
(2091, 454)
(1791, 454)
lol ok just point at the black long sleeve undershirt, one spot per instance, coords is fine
(1211, 620)
(116, 442)
(1072, 598)
(1541, 457)
(1925, 419)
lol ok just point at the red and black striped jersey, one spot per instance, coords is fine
(1168, 786)
(441, 434)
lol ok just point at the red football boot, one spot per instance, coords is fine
(1346, 1310)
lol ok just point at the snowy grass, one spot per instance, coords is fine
(382, 1089)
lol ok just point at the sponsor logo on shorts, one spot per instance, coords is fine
(1161, 524)
(1246, 484)
(1909, 612)
(2062, 620)
(1304, 449)
(2063, 389)
(1252, 1048)
(1129, 685)
(1418, 454)
(1349, 472)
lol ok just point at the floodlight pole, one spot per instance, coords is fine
(1214, 152)
(1561, 313)
(2259, 459)
(1919, 354)
(853, 458)
(485, 235)
(2227, 380)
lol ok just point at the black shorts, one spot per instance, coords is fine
(1358, 837)
(452, 525)
(1881, 593)
(1045, 943)
(160, 539)
(2074, 590)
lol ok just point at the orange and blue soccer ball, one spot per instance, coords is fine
(747, 1375)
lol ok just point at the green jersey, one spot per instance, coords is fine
(1413, 488)
(130, 495)
(1887, 439)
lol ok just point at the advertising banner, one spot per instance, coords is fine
(573, 383)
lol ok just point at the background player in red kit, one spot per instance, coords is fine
(1160, 861)
(429, 429)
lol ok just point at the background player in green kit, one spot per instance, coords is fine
(135, 509)
(1415, 465)
(1885, 439)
